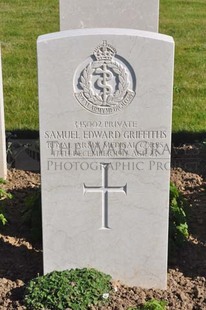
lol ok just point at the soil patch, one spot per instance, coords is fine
(21, 258)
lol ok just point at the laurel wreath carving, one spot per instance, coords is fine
(123, 81)
(85, 83)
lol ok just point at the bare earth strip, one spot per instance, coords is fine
(21, 259)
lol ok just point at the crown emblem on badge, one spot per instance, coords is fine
(104, 51)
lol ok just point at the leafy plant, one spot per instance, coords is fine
(178, 229)
(151, 305)
(31, 215)
(3, 195)
(3, 220)
(2, 181)
(155, 305)
(75, 289)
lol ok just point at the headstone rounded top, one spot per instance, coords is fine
(104, 31)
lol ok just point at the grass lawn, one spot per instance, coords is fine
(22, 21)
(185, 20)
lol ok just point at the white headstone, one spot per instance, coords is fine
(3, 165)
(136, 14)
(105, 99)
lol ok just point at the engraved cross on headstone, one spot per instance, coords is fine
(105, 190)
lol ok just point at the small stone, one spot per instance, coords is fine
(19, 282)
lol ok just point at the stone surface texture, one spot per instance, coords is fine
(136, 14)
(3, 166)
(105, 170)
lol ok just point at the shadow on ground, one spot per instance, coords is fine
(188, 137)
(20, 249)
(191, 257)
(19, 261)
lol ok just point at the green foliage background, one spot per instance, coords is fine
(22, 21)
(185, 20)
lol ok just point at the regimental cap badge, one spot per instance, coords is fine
(105, 85)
